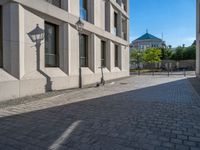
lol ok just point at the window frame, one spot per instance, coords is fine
(103, 53)
(55, 4)
(56, 40)
(124, 28)
(115, 23)
(86, 51)
(115, 19)
(116, 55)
(84, 7)
(125, 5)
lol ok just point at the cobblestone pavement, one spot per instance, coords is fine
(137, 113)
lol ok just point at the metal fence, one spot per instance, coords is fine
(170, 67)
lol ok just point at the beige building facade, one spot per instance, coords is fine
(198, 37)
(42, 47)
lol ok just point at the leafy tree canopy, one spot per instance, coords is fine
(152, 55)
(137, 55)
(184, 53)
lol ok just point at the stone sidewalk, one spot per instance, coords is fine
(137, 113)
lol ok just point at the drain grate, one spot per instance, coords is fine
(123, 83)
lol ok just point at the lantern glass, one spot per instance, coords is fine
(79, 25)
(37, 34)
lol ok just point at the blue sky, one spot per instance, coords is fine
(176, 19)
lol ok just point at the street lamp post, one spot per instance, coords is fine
(79, 27)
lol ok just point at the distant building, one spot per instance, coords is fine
(147, 41)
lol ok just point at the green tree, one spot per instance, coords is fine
(136, 56)
(189, 52)
(166, 53)
(152, 55)
(179, 53)
(184, 53)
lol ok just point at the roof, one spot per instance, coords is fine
(147, 36)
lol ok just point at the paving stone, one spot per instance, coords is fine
(168, 145)
(176, 141)
(189, 143)
(194, 148)
(194, 139)
(182, 137)
(159, 113)
(182, 147)
(165, 139)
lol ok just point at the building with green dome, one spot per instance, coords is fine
(147, 41)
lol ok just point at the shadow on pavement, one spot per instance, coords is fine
(148, 118)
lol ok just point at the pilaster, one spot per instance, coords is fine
(92, 55)
(108, 17)
(13, 37)
(64, 47)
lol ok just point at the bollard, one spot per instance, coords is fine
(168, 71)
(184, 72)
(138, 71)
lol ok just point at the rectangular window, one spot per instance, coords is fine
(83, 10)
(1, 39)
(124, 2)
(51, 45)
(55, 2)
(103, 54)
(83, 50)
(115, 23)
(116, 56)
(118, 1)
(124, 29)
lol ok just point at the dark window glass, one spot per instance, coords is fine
(83, 10)
(115, 19)
(118, 2)
(83, 50)
(115, 23)
(124, 29)
(55, 2)
(116, 56)
(51, 49)
(1, 40)
(124, 5)
(103, 53)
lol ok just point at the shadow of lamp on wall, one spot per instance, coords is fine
(37, 36)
